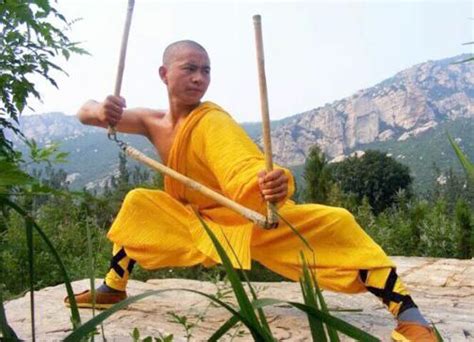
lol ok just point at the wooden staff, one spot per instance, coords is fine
(137, 155)
(245, 212)
(267, 142)
(123, 52)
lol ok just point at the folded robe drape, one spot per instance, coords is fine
(160, 229)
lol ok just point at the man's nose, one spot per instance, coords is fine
(198, 77)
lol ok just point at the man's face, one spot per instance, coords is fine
(188, 75)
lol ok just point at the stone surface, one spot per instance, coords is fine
(443, 288)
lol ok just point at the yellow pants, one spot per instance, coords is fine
(154, 231)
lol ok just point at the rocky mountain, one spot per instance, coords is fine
(51, 127)
(412, 102)
(405, 110)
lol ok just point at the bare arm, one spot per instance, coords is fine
(112, 111)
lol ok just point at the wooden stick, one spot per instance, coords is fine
(240, 209)
(267, 142)
(123, 53)
(137, 155)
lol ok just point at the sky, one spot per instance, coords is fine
(316, 52)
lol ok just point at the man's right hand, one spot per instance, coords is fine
(111, 110)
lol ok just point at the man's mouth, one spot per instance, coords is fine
(195, 90)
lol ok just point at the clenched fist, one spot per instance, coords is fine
(111, 109)
(273, 185)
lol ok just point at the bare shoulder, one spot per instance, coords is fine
(145, 113)
(139, 120)
(153, 117)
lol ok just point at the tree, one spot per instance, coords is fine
(466, 229)
(317, 177)
(29, 42)
(375, 176)
(30, 39)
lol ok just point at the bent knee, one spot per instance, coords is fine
(132, 195)
(343, 215)
(136, 196)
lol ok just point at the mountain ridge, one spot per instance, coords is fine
(411, 103)
(414, 100)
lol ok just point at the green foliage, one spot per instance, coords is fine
(317, 177)
(258, 326)
(30, 41)
(7, 333)
(312, 296)
(64, 223)
(162, 338)
(416, 228)
(375, 176)
(419, 153)
(465, 222)
(184, 322)
(49, 154)
(30, 38)
(11, 175)
(466, 164)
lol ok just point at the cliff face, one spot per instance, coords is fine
(413, 101)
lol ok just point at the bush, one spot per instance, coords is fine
(374, 176)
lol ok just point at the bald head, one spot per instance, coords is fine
(173, 50)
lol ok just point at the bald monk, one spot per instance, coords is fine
(199, 139)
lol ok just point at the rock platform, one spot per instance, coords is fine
(442, 288)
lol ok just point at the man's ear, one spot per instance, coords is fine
(163, 74)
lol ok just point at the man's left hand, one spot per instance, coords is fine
(273, 185)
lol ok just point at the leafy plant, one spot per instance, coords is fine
(374, 176)
(467, 165)
(30, 38)
(137, 338)
(317, 177)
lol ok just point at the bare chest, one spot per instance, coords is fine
(162, 137)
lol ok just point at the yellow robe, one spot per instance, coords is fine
(159, 229)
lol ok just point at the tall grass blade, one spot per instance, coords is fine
(12, 175)
(89, 326)
(76, 319)
(31, 266)
(465, 60)
(332, 333)
(261, 314)
(438, 335)
(333, 337)
(467, 165)
(239, 291)
(334, 322)
(91, 270)
(254, 330)
(8, 334)
(309, 297)
(223, 329)
(294, 231)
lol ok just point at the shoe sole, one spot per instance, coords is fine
(397, 337)
(90, 306)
